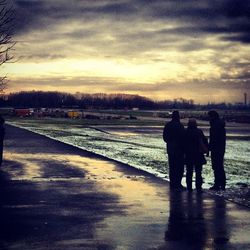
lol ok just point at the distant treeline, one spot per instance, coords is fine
(52, 99)
(41, 99)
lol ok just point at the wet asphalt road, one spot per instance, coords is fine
(54, 196)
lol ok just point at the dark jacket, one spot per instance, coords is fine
(217, 141)
(173, 135)
(193, 152)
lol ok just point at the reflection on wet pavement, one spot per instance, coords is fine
(58, 197)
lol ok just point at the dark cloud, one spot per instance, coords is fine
(230, 18)
(213, 17)
(207, 39)
(243, 76)
(27, 15)
(40, 56)
(80, 34)
(33, 14)
(115, 8)
(243, 38)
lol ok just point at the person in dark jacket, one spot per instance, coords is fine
(217, 146)
(2, 133)
(196, 145)
(173, 135)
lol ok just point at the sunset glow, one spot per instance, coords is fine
(160, 49)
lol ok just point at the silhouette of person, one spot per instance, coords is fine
(194, 157)
(217, 145)
(173, 134)
(2, 133)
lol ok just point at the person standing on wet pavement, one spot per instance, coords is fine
(173, 135)
(217, 146)
(2, 133)
(196, 145)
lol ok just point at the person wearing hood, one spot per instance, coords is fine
(173, 135)
(217, 146)
(196, 145)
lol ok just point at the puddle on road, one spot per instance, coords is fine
(132, 189)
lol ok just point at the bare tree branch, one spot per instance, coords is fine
(6, 42)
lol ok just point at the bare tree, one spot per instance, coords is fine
(6, 42)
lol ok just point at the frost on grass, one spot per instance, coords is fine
(146, 151)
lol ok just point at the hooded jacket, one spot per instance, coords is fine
(173, 135)
(217, 141)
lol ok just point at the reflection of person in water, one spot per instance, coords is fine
(176, 221)
(186, 220)
(220, 229)
(196, 231)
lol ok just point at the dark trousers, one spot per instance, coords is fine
(218, 168)
(176, 169)
(198, 177)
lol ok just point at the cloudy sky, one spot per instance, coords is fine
(162, 49)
